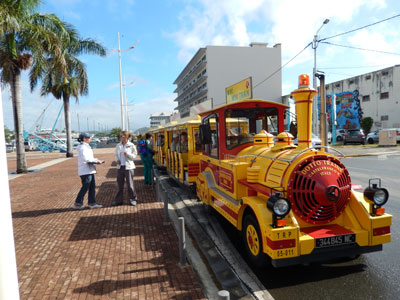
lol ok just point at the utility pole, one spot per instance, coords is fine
(315, 102)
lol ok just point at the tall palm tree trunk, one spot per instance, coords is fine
(68, 126)
(16, 95)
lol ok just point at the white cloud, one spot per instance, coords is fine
(291, 23)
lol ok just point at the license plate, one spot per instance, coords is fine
(335, 240)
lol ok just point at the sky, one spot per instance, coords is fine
(167, 33)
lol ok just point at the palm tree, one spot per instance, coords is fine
(69, 79)
(26, 37)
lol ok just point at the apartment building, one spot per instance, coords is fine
(159, 119)
(214, 68)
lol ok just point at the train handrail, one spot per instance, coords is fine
(289, 160)
(320, 146)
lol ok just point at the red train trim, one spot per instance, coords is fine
(225, 208)
(278, 245)
(326, 231)
(381, 230)
(256, 187)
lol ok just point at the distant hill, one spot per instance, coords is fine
(141, 130)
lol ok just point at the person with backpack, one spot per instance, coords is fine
(146, 155)
(125, 152)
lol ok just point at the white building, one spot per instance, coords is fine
(379, 94)
(214, 68)
(159, 119)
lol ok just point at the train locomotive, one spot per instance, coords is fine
(291, 203)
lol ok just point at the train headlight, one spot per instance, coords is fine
(280, 207)
(376, 196)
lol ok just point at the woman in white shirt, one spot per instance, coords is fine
(125, 153)
(86, 170)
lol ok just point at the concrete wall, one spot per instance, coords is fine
(229, 65)
(373, 85)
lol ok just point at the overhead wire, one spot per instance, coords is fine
(353, 30)
(324, 39)
(273, 73)
(358, 48)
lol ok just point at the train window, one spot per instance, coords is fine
(242, 124)
(197, 140)
(209, 136)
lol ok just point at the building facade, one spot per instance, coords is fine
(214, 68)
(159, 119)
(379, 95)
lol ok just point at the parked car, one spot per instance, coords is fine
(315, 140)
(10, 148)
(339, 134)
(29, 146)
(356, 136)
(373, 137)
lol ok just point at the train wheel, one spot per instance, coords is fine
(253, 242)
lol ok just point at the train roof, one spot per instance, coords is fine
(243, 103)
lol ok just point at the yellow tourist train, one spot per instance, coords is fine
(292, 203)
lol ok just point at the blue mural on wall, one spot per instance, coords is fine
(348, 110)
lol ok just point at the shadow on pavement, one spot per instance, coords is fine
(38, 213)
(121, 225)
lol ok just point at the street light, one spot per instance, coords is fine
(315, 104)
(126, 103)
(120, 76)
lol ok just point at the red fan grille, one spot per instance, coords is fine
(319, 189)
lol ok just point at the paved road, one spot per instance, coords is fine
(371, 276)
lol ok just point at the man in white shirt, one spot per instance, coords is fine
(125, 152)
(86, 170)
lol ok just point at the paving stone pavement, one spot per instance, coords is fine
(121, 252)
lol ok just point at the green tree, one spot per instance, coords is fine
(26, 37)
(115, 132)
(67, 78)
(8, 134)
(366, 124)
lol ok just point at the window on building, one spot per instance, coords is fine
(368, 77)
(385, 118)
(327, 86)
(365, 98)
(351, 81)
(337, 85)
(385, 95)
(385, 73)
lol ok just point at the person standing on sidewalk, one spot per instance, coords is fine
(146, 155)
(125, 153)
(86, 170)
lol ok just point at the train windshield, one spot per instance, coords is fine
(242, 124)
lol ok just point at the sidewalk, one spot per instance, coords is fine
(121, 252)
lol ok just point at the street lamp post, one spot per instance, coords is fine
(120, 78)
(315, 104)
(126, 103)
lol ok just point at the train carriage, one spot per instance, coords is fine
(183, 159)
(292, 204)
